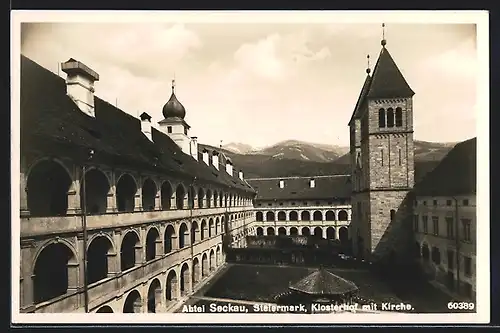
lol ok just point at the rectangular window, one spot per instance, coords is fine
(465, 202)
(450, 228)
(281, 204)
(451, 260)
(426, 227)
(169, 129)
(424, 202)
(293, 203)
(305, 203)
(448, 202)
(382, 156)
(415, 223)
(259, 205)
(435, 202)
(466, 230)
(399, 152)
(435, 225)
(269, 204)
(467, 266)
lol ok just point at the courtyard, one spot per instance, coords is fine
(243, 285)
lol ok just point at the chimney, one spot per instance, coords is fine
(205, 156)
(146, 125)
(282, 183)
(194, 147)
(215, 159)
(312, 183)
(80, 85)
(229, 167)
(240, 174)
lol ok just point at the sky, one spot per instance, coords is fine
(261, 83)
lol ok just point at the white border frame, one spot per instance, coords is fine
(480, 18)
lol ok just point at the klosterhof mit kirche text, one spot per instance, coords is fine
(295, 308)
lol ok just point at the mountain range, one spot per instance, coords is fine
(299, 158)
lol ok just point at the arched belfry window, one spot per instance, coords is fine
(399, 117)
(381, 118)
(390, 117)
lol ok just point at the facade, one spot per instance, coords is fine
(115, 215)
(382, 164)
(445, 221)
(318, 206)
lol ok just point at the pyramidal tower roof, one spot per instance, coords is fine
(387, 80)
(361, 98)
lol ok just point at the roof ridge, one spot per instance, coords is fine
(32, 71)
(299, 177)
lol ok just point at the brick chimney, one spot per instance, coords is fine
(80, 85)
(229, 167)
(205, 156)
(146, 125)
(194, 147)
(215, 159)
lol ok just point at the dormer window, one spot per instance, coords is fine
(169, 129)
(312, 183)
(282, 183)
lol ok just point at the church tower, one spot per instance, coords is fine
(382, 162)
(176, 127)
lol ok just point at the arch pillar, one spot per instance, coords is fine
(74, 201)
(138, 199)
(111, 196)
(173, 200)
(159, 304)
(113, 264)
(26, 285)
(175, 242)
(139, 255)
(73, 274)
(23, 196)
(157, 199)
(159, 248)
(111, 201)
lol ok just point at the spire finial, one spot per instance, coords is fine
(368, 70)
(173, 85)
(384, 42)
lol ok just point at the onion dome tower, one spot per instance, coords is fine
(176, 127)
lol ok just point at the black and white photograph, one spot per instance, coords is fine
(243, 167)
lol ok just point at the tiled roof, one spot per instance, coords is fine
(387, 81)
(454, 175)
(323, 282)
(52, 124)
(326, 187)
(361, 98)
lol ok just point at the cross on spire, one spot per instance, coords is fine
(384, 41)
(173, 84)
(368, 70)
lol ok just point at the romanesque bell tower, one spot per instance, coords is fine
(383, 164)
